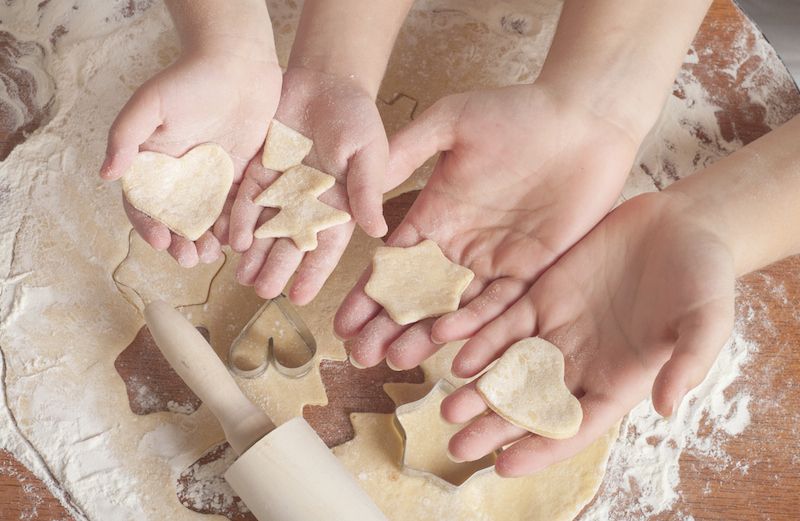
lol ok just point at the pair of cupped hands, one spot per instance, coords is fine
(639, 299)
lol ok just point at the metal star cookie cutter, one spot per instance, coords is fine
(254, 349)
(472, 470)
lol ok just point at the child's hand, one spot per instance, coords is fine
(225, 96)
(645, 301)
(349, 144)
(523, 175)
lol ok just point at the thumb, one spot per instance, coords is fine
(135, 123)
(699, 343)
(364, 179)
(433, 131)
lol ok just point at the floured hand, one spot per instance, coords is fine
(523, 175)
(221, 96)
(644, 302)
(349, 144)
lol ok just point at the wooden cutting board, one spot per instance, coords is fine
(770, 486)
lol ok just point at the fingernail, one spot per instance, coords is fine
(354, 363)
(677, 404)
(453, 458)
(392, 366)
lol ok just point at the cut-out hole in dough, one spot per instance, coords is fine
(152, 385)
(426, 436)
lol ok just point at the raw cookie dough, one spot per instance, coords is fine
(187, 193)
(427, 435)
(526, 387)
(557, 493)
(284, 147)
(417, 282)
(301, 214)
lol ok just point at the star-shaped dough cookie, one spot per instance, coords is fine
(426, 437)
(284, 147)
(417, 282)
(301, 214)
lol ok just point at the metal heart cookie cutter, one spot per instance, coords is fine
(275, 335)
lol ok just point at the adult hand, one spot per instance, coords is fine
(523, 175)
(644, 302)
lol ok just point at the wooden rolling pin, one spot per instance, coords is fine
(282, 474)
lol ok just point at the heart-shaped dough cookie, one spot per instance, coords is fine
(526, 387)
(186, 194)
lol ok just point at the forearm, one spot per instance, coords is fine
(349, 38)
(620, 58)
(752, 198)
(211, 26)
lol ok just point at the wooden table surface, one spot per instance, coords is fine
(769, 486)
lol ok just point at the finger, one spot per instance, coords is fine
(412, 347)
(490, 304)
(208, 248)
(245, 212)
(252, 261)
(699, 343)
(490, 342)
(281, 263)
(433, 131)
(184, 251)
(222, 226)
(369, 347)
(365, 187)
(356, 309)
(318, 265)
(535, 453)
(463, 404)
(153, 232)
(135, 123)
(483, 436)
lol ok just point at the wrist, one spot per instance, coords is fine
(208, 28)
(607, 101)
(340, 67)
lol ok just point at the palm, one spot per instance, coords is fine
(193, 101)
(521, 179)
(646, 288)
(241, 112)
(349, 144)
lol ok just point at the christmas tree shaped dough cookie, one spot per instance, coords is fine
(526, 387)
(301, 214)
(284, 147)
(187, 193)
(417, 282)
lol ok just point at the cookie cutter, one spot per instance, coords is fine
(287, 361)
(447, 388)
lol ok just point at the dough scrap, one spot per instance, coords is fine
(301, 214)
(284, 147)
(417, 282)
(526, 387)
(427, 435)
(187, 193)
